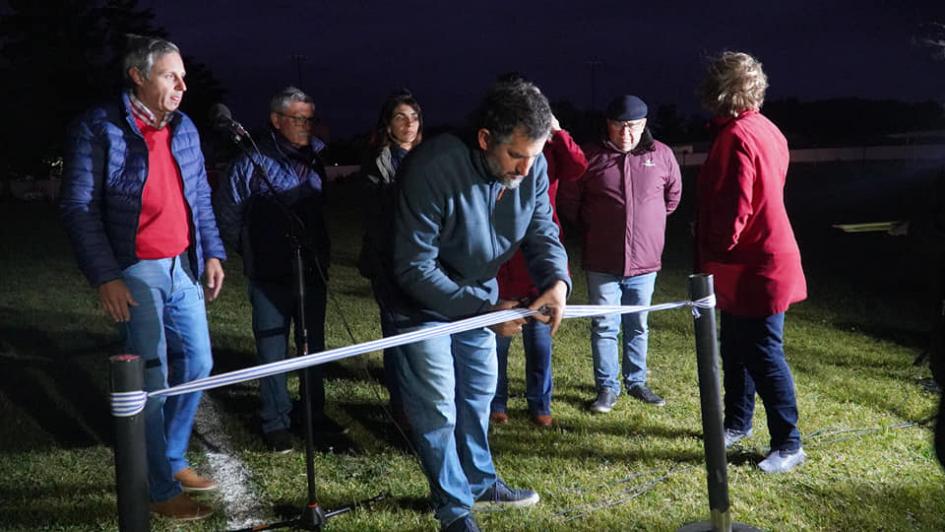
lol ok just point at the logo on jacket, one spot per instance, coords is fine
(649, 163)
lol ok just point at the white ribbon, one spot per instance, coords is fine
(477, 322)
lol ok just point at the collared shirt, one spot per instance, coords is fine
(144, 114)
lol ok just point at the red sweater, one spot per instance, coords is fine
(164, 223)
(566, 162)
(743, 235)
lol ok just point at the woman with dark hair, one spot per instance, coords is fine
(621, 203)
(745, 240)
(399, 129)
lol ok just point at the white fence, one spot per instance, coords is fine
(927, 152)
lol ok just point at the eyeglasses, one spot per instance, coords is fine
(627, 124)
(301, 120)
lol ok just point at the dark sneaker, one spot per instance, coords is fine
(782, 461)
(733, 436)
(463, 524)
(325, 426)
(641, 392)
(605, 402)
(501, 494)
(279, 441)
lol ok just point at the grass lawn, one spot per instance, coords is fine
(851, 346)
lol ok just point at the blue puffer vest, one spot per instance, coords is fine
(105, 167)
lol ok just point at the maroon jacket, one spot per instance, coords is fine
(621, 203)
(566, 162)
(743, 235)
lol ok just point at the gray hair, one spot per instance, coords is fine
(281, 101)
(142, 52)
(734, 82)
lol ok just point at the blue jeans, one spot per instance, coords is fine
(168, 329)
(607, 289)
(274, 309)
(753, 360)
(449, 382)
(536, 339)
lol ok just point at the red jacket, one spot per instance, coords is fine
(743, 235)
(621, 203)
(566, 162)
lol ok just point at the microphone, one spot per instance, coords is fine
(222, 120)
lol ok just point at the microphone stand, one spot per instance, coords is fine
(312, 516)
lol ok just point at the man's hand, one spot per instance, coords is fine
(115, 298)
(507, 328)
(214, 278)
(553, 300)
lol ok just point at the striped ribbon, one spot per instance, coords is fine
(477, 322)
(127, 404)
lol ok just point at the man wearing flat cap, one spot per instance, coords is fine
(632, 183)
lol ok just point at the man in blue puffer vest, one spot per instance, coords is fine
(136, 206)
(256, 207)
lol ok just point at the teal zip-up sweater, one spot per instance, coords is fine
(453, 231)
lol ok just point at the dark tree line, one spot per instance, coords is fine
(59, 57)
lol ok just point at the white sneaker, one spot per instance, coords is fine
(734, 436)
(782, 461)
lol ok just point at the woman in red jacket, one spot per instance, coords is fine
(566, 162)
(744, 239)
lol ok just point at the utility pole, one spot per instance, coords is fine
(299, 59)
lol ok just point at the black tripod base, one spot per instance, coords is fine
(707, 526)
(313, 516)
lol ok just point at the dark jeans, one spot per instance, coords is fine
(388, 329)
(274, 309)
(753, 361)
(536, 338)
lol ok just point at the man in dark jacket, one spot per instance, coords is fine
(261, 210)
(631, 184)
(463, 209)
(136, 206)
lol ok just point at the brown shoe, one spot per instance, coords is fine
(542, 420)
(498, 418)
(191, 481)
(181, 508)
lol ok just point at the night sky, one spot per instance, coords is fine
(354, 52)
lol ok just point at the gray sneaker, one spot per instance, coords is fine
(500, 494)
(782, 461)
(642, 393)
(605, 402)
(733, 436)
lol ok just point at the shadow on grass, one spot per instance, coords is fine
(379, 424)
(87, 515)
(40, 378)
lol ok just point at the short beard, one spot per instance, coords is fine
(507, 182)
(511, 183)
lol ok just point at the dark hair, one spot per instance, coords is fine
(141, 52)
(380, 137)
(512, 104)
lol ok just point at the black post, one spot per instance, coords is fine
(313, 516)
(710, 395)
(131, 462)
